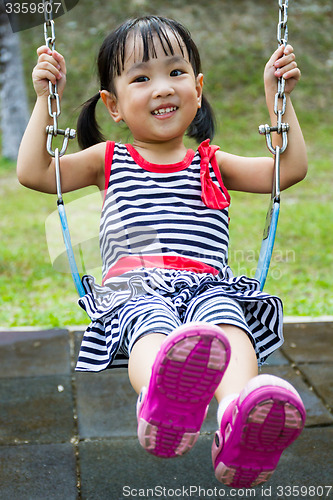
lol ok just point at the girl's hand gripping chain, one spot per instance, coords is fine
(282, 64)
(294, 159)
(50, 67)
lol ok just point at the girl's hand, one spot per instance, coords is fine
(282, 63)
(50, 67)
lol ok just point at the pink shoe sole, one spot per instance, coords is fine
(266, 418)
(187, 370)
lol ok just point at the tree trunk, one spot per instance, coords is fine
(13, 99)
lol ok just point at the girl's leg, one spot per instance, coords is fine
(255, 426)
(142, 358)
(181, 373)
(243, 364)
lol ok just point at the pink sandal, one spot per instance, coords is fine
(187, 370)
(255, 429)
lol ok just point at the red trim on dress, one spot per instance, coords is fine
(155, 167)
(129, 263)
(212, 196)
(109, 150)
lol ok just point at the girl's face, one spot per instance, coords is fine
(157, 99)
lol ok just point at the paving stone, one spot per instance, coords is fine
(36, 410)
(316, 412)
(38, 472)
(111, 469)
(106, 405)
(109, 466)
(277, 358)
(34, 364)
(210, 424)
(320, 376)
(78, 335)
(34, 353)
(307, 462)
(309, 342)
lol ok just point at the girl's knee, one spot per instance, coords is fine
(237, 336)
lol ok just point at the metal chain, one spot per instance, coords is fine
(279, 101)
(53, 130)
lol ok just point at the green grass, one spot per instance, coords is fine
(32, 293)
(235, 40)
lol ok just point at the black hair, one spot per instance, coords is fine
(111, 61)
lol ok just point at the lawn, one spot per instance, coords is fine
(235, 39)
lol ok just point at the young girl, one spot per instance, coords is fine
(168, 300)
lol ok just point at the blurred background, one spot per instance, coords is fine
(235, 40)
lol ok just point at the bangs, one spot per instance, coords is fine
(149, 31)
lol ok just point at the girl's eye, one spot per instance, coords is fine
(176, 72)
(141, 79)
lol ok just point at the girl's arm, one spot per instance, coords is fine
(35, 167)
(256, 174)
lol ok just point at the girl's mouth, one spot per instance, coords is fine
(164, 111)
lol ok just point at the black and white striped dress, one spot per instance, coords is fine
(164, 245)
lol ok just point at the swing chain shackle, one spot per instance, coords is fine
(69, 133)
(280, 103)
(53, 130)
(281, 128)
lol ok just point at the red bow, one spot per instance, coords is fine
(211, 195)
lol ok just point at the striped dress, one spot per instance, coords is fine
(164, 245)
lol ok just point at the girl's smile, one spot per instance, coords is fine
(164, 111)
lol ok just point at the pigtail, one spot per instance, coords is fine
(203, 125)
(88, 131)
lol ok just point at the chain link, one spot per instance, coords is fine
(283, 20)
(279, 102)
(53, 98)
(282, 38)
(280, 97)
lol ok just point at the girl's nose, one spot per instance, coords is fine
(163, 88)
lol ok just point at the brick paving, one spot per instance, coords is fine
(72, 436)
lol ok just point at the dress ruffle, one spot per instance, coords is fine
(103, 338)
